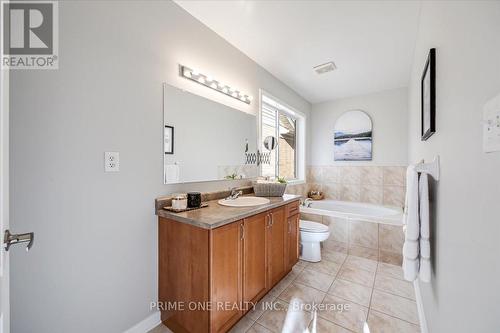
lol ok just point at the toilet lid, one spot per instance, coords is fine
(312, 226)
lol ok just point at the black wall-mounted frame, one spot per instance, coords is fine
(430, 73)
(169, 150)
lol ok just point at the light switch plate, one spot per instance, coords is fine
(111, 161)
(491, 125)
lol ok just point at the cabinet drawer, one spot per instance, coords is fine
(292, 208)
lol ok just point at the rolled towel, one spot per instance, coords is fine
(411, 219)
(425, 270)
(423, 192)
(425, 248)
(411, 250)
(410, 269)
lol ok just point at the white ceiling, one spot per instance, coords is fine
(371, 42)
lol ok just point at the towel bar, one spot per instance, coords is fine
(431, 168)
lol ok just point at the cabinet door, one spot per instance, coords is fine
(292, 241)
(277, 232)
(254, 257)
(226, 275)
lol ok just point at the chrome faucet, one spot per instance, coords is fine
(234, 194)
(307, 202)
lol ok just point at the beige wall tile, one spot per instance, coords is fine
(394, 196)
(331, 174)
(350, 175)
(311, 217)
(314, 187)
(332, 191)
(338, 228)
(390, 238)
(363, 234)
(350, 192)
(372, 175)
(395, 176)
(314, 174)
(391, 257)
(372, 194)
(364, 252)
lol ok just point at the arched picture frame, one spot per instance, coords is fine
(353, 137)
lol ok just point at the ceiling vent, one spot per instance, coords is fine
(325, 68)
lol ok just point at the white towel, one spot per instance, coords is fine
(411, 221)
(172, 173)
(411, 204)
(425, 247)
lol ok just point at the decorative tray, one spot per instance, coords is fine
(170, 209)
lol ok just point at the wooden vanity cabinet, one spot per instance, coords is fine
(276, 243)
(235, 264)
(226, 269)
(292, 246)
(255, 244)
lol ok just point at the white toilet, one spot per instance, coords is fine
(311, 234)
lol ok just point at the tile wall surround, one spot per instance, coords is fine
(375, 241)
(383, 185)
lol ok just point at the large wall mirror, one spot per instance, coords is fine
(205, 140)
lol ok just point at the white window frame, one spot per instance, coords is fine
(301, 121)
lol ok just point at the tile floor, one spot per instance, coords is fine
(367, 290)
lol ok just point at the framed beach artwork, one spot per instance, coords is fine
(428, 97)
(353, 137)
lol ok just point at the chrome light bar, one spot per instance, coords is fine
(207, 81)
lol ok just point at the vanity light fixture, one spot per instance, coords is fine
(208, 81)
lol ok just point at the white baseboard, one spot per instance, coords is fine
(146, 325)
(420, 308)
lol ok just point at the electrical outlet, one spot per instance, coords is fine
(111, 161)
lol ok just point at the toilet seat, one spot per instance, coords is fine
(310, 226)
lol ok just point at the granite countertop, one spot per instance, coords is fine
(216, 215)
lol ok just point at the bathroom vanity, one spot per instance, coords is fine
(215, 262)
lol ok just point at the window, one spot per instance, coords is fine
(288, 126)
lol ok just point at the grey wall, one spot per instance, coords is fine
(465, 287)
(94, 264)
(389, 112)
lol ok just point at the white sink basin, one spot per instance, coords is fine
(244, 202)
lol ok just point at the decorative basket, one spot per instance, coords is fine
(316, 195)
(269, 189)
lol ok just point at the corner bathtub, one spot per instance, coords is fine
(355, 211)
